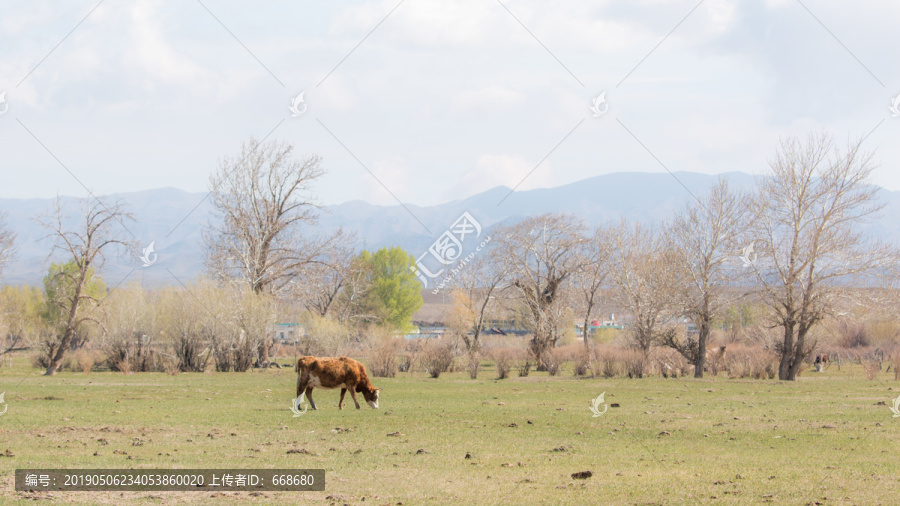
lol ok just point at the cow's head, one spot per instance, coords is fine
(371, 396)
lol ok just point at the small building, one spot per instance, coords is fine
(427, 332)
(288, 333)
(597, 325)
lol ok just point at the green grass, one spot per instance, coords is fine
(822, 439)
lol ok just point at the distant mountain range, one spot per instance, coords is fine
(173, 219)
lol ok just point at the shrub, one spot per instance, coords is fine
(437, 358)
(85, 359)
(411, 354)
(524, 359)
(191, 352)
(171, 367)
(872, 367)
(553, 361)
(852, 334)
(383, 358)
(503, 358)
(524, 367)
(751, 362)
(223, 354)
(124, 366)
(872, 363)
(635, 363)
(760, 337)
(581, 362)
(244, 351)
(606, 362)
(47, 349)
(884, 334)
(670, 363)
(136, 351)
(40, 360)
(474, 364)
(326, 337)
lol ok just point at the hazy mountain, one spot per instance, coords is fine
(173, 219)
(157, 214)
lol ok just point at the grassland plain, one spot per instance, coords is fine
(828, 438)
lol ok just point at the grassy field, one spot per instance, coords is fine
(825, 439)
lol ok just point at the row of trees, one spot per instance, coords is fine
(795, 242)
(261, 253)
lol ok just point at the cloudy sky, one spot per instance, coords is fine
(434, 100)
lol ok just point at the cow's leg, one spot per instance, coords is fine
(353, 394)
(312, 403)
(302, 382)
(343, 393)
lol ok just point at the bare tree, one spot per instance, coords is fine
(647, 278)
(807, 220)
(704, 239)
(130, 329)
(477, 285)
(262, 198)
(590, 279)
(7, 242)
(540, 253)
(327, 275)
(560, 314)
(182, 320)
(100, 229)
(256, 319)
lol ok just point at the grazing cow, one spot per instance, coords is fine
(343, 372)
(821, 362)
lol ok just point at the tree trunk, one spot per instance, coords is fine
(787, 353)
(539, 346)
(56, 359)
(702, 339)
(798, 355)
(538, 354)
(587, 331)
(476, 346)
(263, 352)
(466, 341)
(587, 320)
(645, 341)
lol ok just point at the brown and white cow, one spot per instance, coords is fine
(821, 362)
(327, 372)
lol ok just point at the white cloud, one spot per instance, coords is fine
(492, 97)
(777, 3)
(445, 98)
(337, 96)
(721, 14)
(423, 22)
(393, 180)
(492, 170)
(153, 54)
